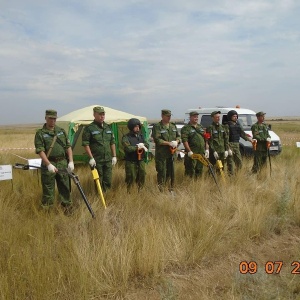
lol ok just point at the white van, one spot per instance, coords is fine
(246, 118)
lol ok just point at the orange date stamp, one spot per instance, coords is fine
(270, 267)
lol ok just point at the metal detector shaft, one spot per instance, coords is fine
(77, 182)
(207, 163)
(173, 151)
(269, 156)
(210, 167)
(65, 171)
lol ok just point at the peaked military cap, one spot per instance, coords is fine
(51, 113)
(166, 112)
(193, 113)
(99, 109)
(260, 113)
(215, 113)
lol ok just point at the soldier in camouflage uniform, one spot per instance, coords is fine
(260, 135)
(218, 142)
(166, 138)
(99, 143)
(234, 131)
(194, 142)
(52, 145)
(135, 148)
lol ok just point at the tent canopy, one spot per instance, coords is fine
(75, 121)
(85, 115)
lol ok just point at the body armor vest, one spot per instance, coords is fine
(134, 140)
(234, 132)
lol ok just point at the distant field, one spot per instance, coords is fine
(288, 130)
(242, 243)
(21, 126)
(282, 118)
(176, 120)
(286, 127)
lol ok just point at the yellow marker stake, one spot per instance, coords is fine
(97, 181)
(219, 165)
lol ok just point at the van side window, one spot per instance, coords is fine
(241, 121)
(206, 120)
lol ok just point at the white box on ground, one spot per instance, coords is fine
(5, 172)
(36, 162)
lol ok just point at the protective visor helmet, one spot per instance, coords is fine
(232, 113)
(132, 123)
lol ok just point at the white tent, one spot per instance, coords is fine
(75, 121)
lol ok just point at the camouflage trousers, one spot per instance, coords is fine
(105, 174)
(165, 171)
(234, 161)
(193, 167)
(48, 185)
(135, 172)
(260, 160)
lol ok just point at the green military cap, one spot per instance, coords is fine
(193, 113)
(215, 113)
(166, 112)
(99, 109)
(51, 113)
(260, 113)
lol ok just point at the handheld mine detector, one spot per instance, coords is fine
(71, 176)
(254, 144)
(139, 155)
(173, 151)
(207, 163)
(269, 156)
(97, 182)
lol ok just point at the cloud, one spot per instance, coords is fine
(140, 56)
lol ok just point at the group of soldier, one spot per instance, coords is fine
(217, 143)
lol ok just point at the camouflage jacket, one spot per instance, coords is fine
(99, 139)
(194, 136)
(218, 141)
(161, 133)
(260, 132)
(44, 138)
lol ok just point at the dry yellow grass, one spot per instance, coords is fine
(150, 245)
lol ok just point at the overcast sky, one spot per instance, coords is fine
(142, 56)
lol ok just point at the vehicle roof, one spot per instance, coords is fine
(223, 110)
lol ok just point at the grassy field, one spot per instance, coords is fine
(149, 245)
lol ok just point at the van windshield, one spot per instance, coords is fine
(247, 121)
